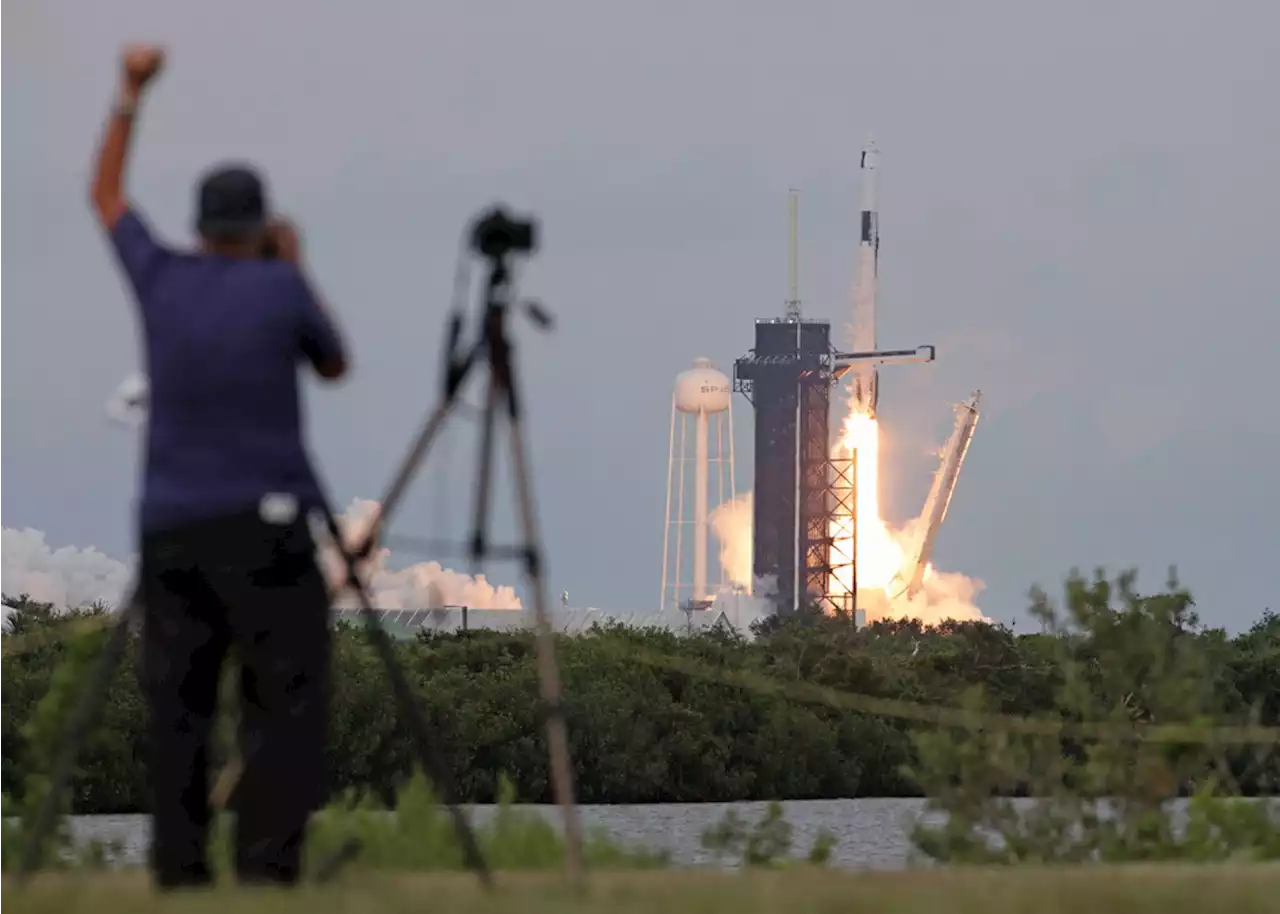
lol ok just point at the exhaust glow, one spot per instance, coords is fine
(881, 556)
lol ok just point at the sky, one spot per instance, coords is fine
(1078, 208)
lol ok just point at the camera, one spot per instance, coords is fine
(497, 234)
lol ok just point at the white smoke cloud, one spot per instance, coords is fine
(67, 576)
(731, 523)
(946, 595)
(74, 577)
(943, 595)
(426, 585)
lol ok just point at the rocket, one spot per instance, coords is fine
(866, 378)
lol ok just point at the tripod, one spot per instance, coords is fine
(497, 237)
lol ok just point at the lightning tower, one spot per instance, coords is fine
(787, 378)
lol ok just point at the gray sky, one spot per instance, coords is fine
(1078, 206)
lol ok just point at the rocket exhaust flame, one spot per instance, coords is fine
(883, 553)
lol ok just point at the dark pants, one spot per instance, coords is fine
(204, 587)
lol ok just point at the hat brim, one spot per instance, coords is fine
(230, 226)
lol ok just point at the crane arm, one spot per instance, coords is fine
(844, 361)
(944, 487)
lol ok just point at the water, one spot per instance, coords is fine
(869, 833)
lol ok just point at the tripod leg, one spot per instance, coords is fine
(484, 485)
(408, 467)
(548, 670)
(418, 450)
(429, 755)
(88, 708)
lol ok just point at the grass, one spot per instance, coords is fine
(1096, 890)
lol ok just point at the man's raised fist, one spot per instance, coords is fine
(141, 63)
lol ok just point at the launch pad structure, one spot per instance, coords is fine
(805, 536)
(801, 490)
(788, 378)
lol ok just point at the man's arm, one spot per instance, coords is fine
(141, 64)
(140, 255)
(321, 341)
(318, 336)
(107, 192)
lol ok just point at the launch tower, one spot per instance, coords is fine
(787, 377)
(800, 489)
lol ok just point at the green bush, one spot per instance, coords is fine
(416, 834)
(1130, 661)
(41, 731)
(767, 843)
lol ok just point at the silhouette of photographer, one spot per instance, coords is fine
(226, 554)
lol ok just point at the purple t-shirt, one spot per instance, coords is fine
(222, 337)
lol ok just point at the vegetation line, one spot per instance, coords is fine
(1121, 695)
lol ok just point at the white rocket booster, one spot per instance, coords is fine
(866, 378)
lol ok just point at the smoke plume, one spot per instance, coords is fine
(426, 585)
(69, 576)
(944, 595)
(731, 523)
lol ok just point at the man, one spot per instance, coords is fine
(226, 555)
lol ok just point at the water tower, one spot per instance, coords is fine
(703, 398)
